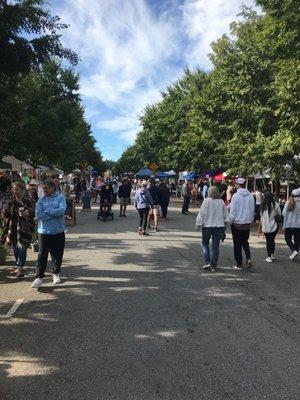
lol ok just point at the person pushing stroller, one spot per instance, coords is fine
(106, 196)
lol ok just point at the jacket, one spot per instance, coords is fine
(242, 207)
(164, 195)
(143, 199)
(212, 213)
(18, 230)
(268, 221)
(50, 212)
(292, 218)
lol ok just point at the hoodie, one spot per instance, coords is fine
(292, 218)
(242, 207)
(143, 199)
(50, 212)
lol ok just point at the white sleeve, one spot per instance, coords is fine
(201, 214)
(232, 209)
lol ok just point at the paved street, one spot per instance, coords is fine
(136, 319)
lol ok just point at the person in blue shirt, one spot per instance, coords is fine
(50, 213)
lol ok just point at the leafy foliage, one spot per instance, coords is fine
(244, 115)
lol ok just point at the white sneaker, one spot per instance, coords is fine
(37, 283)
(206, 267)
(272, 257)
(56, 279)
(293, 255)
(269, 260)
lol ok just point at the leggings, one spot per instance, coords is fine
(289, 234)
(144, 212)
(270, 242)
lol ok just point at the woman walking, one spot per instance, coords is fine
(143, 203)
(270, 216)
(19, 225)
(291, 223)
(212, 216)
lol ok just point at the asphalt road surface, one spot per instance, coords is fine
(136, 318)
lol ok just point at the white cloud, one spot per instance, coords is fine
(204, 22)
(129, 53)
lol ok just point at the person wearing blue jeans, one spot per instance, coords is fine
(18, 225)
(213, 217)
(216, 234)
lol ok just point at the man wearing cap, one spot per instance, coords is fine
(242, 209)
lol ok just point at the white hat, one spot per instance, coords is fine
(240, 181)
(296, 192)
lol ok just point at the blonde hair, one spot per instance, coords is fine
(291, 204)
(213, 192)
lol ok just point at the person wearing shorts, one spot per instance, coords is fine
(124, 196)
(154, 212)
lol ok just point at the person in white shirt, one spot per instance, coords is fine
(270, 215)
(291, 223)
(242, 209)
(212, 216)
(258, 197)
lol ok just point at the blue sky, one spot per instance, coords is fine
(130, 50)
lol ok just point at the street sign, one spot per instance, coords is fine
(154, 167)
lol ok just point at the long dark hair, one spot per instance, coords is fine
(268, 202)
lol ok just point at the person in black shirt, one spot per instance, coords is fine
(154, 212)
(124, 196)
(164, 195)
(223, 190)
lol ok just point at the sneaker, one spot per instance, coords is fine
(269, 260)
(37, 283)
(249, 264)
(56, 279)
(272, 257)
(214, 269)
(19, 273)
(293, 255)
(206, 267)
(238, 267)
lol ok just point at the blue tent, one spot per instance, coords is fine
(190, 176)
(161, 175)
(144, 173)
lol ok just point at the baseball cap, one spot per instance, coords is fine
(240, 181)
(296, 192)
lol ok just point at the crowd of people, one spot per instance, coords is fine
(25, 211)
(240, 209)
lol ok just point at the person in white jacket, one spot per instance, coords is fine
(242, 208)
(270, 214)
(212, 216)
(291, 223)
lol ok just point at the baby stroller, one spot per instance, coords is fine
(105, 210)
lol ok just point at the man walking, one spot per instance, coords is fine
(124, 196)
(186, 194)
(50, 213)
(242, 210)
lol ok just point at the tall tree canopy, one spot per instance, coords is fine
(41, 116)
(244, 115)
